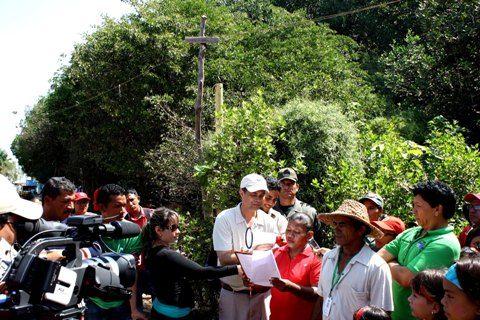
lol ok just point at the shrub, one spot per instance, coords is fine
(242, 145)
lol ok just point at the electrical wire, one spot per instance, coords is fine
(346, 13)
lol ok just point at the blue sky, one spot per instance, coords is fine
(34, 34)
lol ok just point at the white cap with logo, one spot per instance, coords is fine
(254, 182)
(10, 201)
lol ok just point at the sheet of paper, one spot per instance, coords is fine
(261, 237)
(260, 267)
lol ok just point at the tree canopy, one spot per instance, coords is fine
(131, 82)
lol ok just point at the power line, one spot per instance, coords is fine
(346, 13)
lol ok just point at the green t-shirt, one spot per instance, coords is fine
(128, 245)
(434, 250)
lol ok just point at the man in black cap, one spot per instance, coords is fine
(288, 204)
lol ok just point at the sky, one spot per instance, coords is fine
(34, 35)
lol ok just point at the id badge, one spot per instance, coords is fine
(326, 306)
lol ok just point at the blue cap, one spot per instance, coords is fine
(373, 197)
(451, 276)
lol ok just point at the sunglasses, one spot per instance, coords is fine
(172, 228)
(475, 207)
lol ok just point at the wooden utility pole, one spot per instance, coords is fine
(218, 105)
(202, 40)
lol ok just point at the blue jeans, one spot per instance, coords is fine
(94, 312)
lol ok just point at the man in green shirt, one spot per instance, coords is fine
(431, 245)
(112, 201)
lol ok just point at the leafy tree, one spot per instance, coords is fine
(436, 69)
(114, 104)
(392, 165)
(7, 166)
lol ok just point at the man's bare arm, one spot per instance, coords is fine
(401, 274)
(227, 258)
(387, 256)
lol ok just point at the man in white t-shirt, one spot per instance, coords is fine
(244, 227)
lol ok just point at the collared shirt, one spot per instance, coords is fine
(142, 218)
(303, 270)
(366, 280)
(298, 206)
(229, 233)
(418, 250)
(280, 220)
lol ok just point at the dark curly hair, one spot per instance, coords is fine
(437, 193)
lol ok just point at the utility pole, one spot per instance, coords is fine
(202, 41)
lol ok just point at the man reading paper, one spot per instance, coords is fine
(234, 230)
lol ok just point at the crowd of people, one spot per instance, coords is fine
(377, 269)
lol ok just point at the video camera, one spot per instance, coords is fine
(44, 289)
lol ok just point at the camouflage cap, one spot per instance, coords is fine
(287, 173)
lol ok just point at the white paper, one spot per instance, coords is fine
(261, 237)
(260, 267)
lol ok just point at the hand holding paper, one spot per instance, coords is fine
(259, 267)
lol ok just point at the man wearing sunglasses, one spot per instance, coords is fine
(238, 229)
(472, 216)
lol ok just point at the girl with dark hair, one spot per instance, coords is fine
(170, 271)
(427, 293)
(462, 289)
(371, 313)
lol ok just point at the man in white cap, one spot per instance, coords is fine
(352, 275)
(239, 229)
(12, 209)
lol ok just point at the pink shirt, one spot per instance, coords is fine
(303, 270)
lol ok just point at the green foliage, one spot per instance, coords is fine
(243, 144)
(7, 166)
(437, 69)
(392, 165)
(115, 104)
(316, 135)
(394, 19)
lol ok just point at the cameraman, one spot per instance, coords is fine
(12, 209)
(111, 201)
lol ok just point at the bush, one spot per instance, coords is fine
(392, 165)
(316, 135)
(242, 145)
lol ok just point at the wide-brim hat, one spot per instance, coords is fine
(355, 210)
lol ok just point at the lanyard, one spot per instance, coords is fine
(336, 275)
(249, 238)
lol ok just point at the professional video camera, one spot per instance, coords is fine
(43, 289)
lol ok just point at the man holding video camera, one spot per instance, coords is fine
(111, 200)
(12, 209)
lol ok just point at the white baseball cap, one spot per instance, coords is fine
(254, 182)
(10, 201)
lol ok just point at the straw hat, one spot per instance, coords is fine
(355, 210)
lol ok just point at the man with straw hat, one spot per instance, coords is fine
(352, 275)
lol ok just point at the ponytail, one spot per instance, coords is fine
(160, 217)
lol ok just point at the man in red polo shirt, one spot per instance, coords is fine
(293, 296)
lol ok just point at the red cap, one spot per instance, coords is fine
(470, 197)
(81, 196)
(392, 224)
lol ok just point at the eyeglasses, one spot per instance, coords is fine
(173, 227)
(474, 207)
